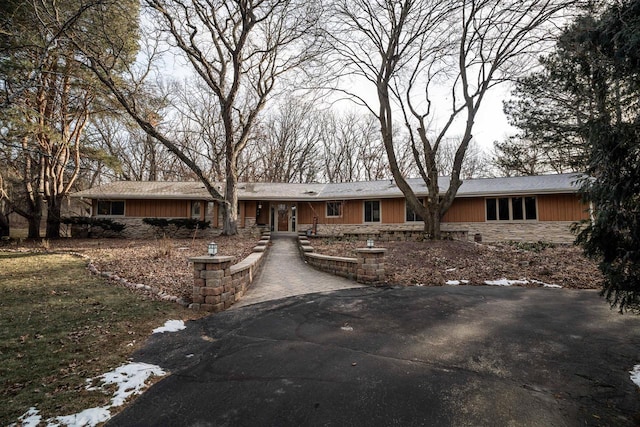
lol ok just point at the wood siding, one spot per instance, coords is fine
(352, 213)
(466, 210)
(158, 208)
(392, 211)
(561, 207)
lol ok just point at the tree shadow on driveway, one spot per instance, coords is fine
(406, 356)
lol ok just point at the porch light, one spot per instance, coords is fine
(369, 243)
(212, 249)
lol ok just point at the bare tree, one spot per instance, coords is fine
(285, 146)
(241, 50)
(408, 49)
(351, 147)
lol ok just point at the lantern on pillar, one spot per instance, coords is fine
(212, 249)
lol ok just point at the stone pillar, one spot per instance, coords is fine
(212, 284)
(370, 269)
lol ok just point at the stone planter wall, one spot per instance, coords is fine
(367, 268)
(218, 284)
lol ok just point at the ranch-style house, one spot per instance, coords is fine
(528, 208)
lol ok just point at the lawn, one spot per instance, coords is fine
(60, 326)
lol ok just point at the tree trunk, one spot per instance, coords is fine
(5, 227)
(34, 225)
(230, 208)
(53, 217)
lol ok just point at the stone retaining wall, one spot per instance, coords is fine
(533, 231)
(339, 266)
(367, 268)
(218, 284)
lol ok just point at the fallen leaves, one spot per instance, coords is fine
(438, 262)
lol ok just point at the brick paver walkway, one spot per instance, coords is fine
(285, 274)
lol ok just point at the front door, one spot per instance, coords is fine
(283, 217)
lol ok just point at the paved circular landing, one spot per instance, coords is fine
(406, 357)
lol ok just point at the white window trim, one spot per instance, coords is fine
(326, 208)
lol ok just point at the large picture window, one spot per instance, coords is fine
(511, 209)
(334, 209)
(111, 207)
(372, 211)
(410, 215)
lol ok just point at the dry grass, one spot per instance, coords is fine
(57, 321)
(160, 263)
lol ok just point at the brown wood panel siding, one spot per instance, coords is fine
(466, 210)
(392, 211)
(157, 208)
(561, 207)
(215, 223)
(352, 212)
(241, 213)
(306, 212)
(250, 208)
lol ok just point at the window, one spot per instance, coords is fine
(372, 211)
(334, 209)
(111, 207)
(410, 215)
(511, 209)
(195, 210)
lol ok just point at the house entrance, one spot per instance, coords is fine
(283, 217)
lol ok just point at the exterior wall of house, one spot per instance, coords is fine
(142, 208)
(562, 207)
(466, 210)
(532, 231)
(556, 214)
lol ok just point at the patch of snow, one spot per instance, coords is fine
(347, 328)
(545, 285)
(456, 282)
(129, 379)
(635, 375)
(505, 282)
(88, 417)
(189, 356)
(170, 326)
(449, 270)
(30, 418)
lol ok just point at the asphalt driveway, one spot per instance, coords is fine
(415, 356)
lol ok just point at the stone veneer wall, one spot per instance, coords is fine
(137, 229)
(549, 231)
(218, 284)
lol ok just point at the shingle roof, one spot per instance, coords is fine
(542, 184)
